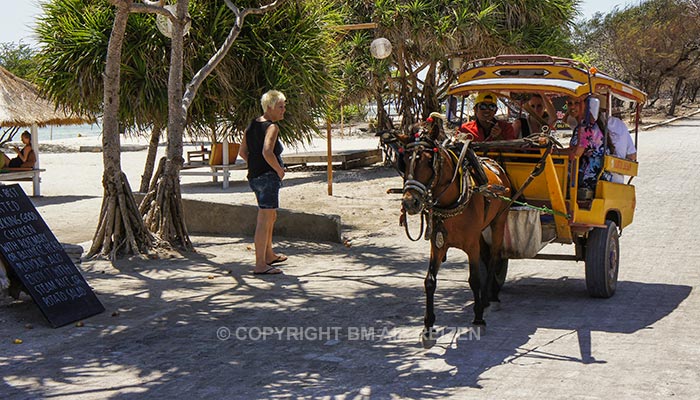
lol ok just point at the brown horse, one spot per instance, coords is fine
(456, 213)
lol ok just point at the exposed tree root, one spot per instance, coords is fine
(162, 208)
(120, 230)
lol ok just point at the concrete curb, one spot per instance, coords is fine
(217, 218)
(205, 217)
(668, 121)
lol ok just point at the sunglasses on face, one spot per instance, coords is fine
(490, 107)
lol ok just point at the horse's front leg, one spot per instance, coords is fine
(436, 256)
(478, 287)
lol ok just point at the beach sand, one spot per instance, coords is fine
(71, 186)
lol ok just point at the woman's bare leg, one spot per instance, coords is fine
(263, 237)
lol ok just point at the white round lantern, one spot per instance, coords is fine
(380, 48)
(165, 26)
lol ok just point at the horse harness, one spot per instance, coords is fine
(429, 200)
(426, 192)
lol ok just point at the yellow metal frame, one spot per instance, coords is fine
(506, 75)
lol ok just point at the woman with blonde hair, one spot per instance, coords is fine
(261, 149)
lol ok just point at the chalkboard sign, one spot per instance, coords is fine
(32, 251)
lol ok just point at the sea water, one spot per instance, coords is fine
(67, 132)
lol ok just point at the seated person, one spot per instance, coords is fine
(571, 115)
(485, 127)
(540, 112)
(25, 157)
(622, 143)
(588, 144)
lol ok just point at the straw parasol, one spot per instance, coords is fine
(22, 105)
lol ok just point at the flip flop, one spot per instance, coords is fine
(280, 259)
(269, 271)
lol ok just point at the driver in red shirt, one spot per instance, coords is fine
(486, 127)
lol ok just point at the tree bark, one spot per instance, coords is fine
(676, 93)
(163, 209)
(150, 158)
(430, 99)
(120, 229)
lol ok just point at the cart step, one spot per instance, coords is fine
(565, 257)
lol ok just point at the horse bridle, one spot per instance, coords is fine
(424, 191)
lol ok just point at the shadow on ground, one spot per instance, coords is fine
(341, 321)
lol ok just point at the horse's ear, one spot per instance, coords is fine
(402, 137)
(436, 132)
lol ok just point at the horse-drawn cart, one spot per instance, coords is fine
(530, 194)
(591, 220)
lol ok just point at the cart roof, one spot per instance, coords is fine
(539, 73)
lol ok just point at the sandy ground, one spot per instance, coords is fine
(343, 321)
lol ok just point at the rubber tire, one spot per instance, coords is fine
(602, 260)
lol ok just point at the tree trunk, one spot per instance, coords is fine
(430, 100)
(162, 207)
(150, 158)
(383, 120)
(120, 229)
(693, 94)
(676, 93)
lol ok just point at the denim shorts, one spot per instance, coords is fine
(267, 189)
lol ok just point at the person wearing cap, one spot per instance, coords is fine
(485, 127)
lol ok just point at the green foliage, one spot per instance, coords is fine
(426, 33)
(290, 50)
(651, 44)
(18, 58)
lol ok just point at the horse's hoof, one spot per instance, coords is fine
(428, 337)
(495, 306)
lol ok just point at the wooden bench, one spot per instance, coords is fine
(346, 158)
(215, 171)
(201, 155)
(24, 174)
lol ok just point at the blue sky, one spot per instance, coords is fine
(18, 16)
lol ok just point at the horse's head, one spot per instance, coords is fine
(420, 156)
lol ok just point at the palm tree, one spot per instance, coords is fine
(291, 50)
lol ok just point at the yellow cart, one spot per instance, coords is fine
(592, 222)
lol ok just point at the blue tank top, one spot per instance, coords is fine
(255, 139)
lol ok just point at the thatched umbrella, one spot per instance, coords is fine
(21, 105)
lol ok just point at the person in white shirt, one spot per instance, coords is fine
(622, 141)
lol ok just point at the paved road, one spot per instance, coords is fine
(345, 320)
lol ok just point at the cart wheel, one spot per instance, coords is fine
(602, 260)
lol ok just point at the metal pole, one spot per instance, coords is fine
(330, 155)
